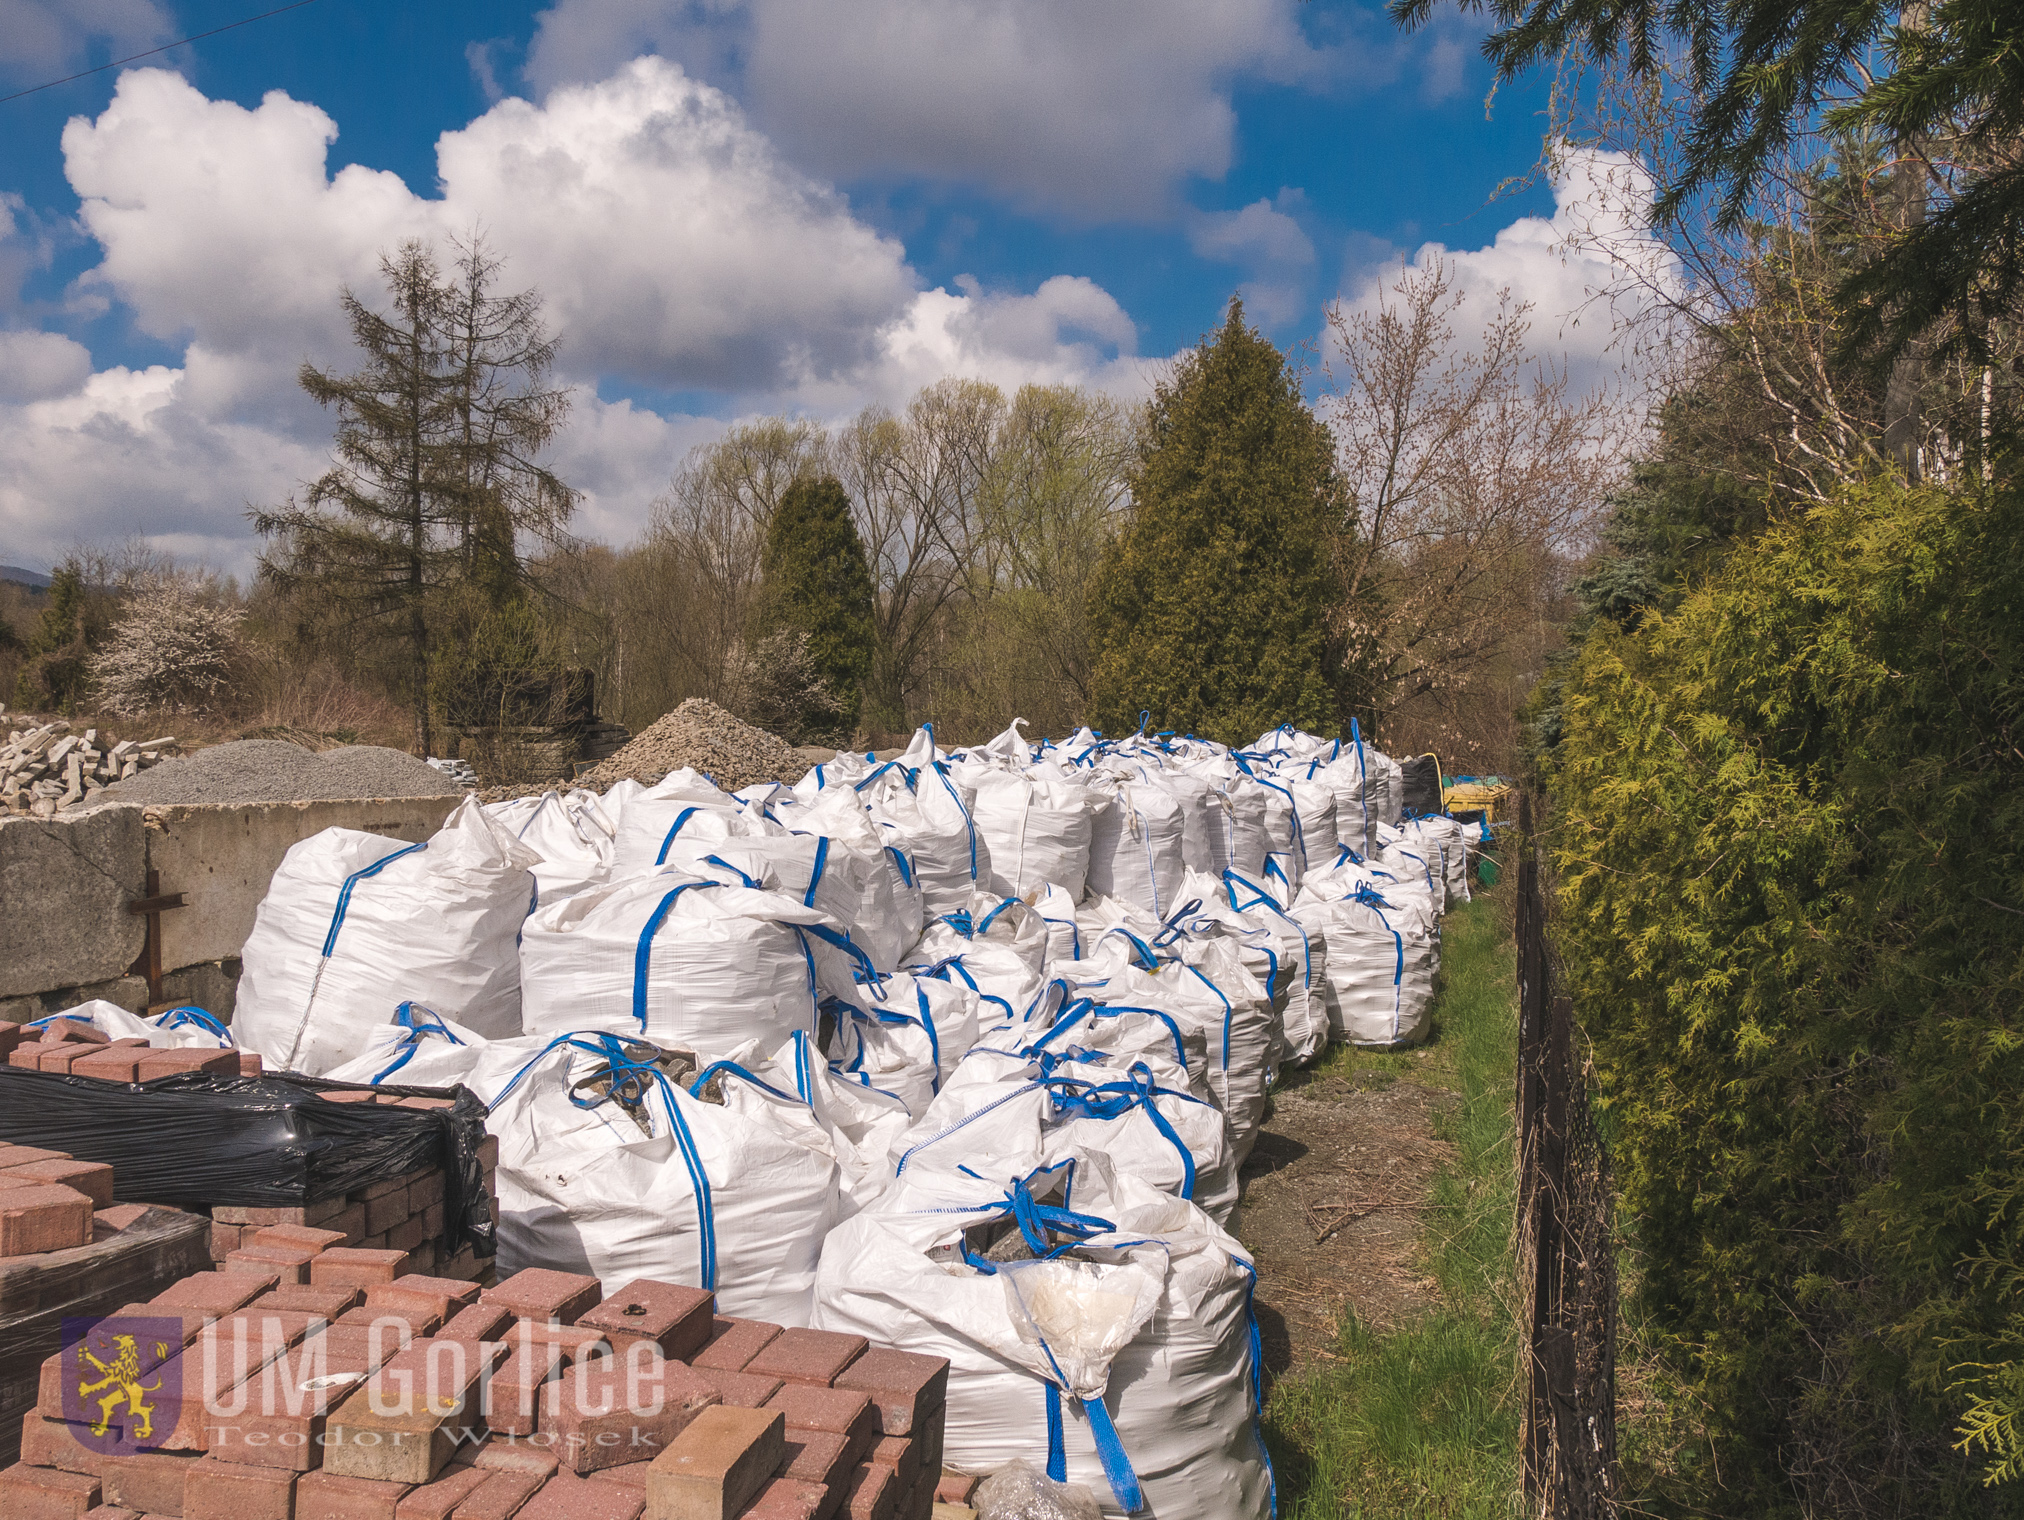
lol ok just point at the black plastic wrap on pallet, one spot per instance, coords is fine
(198, 1140)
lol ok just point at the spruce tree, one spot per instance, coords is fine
(54, 676)
(818, 583)
(1209, 609)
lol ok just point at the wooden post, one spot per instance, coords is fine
(149, 962)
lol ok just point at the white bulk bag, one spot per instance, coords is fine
(904, 1034)
(1276, 949)
(681, 961)
(1381, 961)
(1057, 911)
(1245, 823)
(571, 833)
(648, 820)
(1205, 831)
(355, 924)
(733, 1197)
(997, 947)
(1210, 990)
(1135, 847)
(1137, 1346)
(1003, 1115)
(1444, 834)
(1035, 827)
(420, 1048)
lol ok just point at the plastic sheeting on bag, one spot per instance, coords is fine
(680, 960)
(185, 1028)
(648, 1180)
(1127, 1360)
(1442, 833)
(1007, 1114)
(355, 924)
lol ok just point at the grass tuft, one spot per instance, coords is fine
(1424, 1421)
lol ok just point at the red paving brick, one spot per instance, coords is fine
(215, 1490)
(644, 1408)
(329, 1303)
(839, 1411)
(874, 1494)
(357, 1267)
(568, 1497)
(91, 1178)
(513, 1398)
(901, 1454)
(816, 1456)
(719, 1463)
(213, 1292)
(39, 1493)
(515, 1456)
(904, 1387)
(34, 1219)
(120, 1216)
(308, 1236)
(675, 1318)
(733, 1343)
(954, 1487)
(539, 1294)
(151, 1482)
(500, 1496)
(788, 1499)
(741, 1390)
(807, 1356)
(289, 1263)
(330, 1496)
(480, 1322)
(435, 1501)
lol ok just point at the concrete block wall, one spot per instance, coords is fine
(65, 882)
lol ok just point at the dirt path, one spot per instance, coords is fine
(1353, 1130)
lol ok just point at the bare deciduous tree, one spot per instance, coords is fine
(1474, 477)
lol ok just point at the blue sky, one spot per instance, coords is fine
(790, 205)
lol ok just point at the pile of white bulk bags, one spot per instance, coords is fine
(1115, 1347)
(354, 925)
(1382, 954)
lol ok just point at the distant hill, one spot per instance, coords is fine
(31, 578)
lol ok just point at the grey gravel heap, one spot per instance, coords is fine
(273, 770)
(47, 768)
(701, 734)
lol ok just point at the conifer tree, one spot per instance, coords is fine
(1210, 608)
(55, 672)
(818, 583)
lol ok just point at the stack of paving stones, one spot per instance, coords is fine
(405, 1214)
(359, 1391)
(48, 1201)
(79, 1049)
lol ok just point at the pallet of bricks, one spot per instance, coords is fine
(404, 1213)
(354, 1390)
(69, 1253)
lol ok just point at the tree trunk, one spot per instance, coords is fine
(1901, 419)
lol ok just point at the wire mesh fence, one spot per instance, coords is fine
(1565, 1233)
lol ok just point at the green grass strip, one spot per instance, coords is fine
(1424, 1421)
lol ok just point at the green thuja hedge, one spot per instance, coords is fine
(1790, 841)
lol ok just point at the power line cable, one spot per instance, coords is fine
(118, 62)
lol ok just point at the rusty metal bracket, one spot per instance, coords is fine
(149, 962)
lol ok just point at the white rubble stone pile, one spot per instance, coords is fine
(47, 768)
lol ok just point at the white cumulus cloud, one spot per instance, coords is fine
(1099, 110)
(675, 249)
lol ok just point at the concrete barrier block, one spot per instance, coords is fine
(221, 857)
(64, 886)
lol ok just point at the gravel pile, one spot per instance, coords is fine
(273, 770)
(699, 733)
